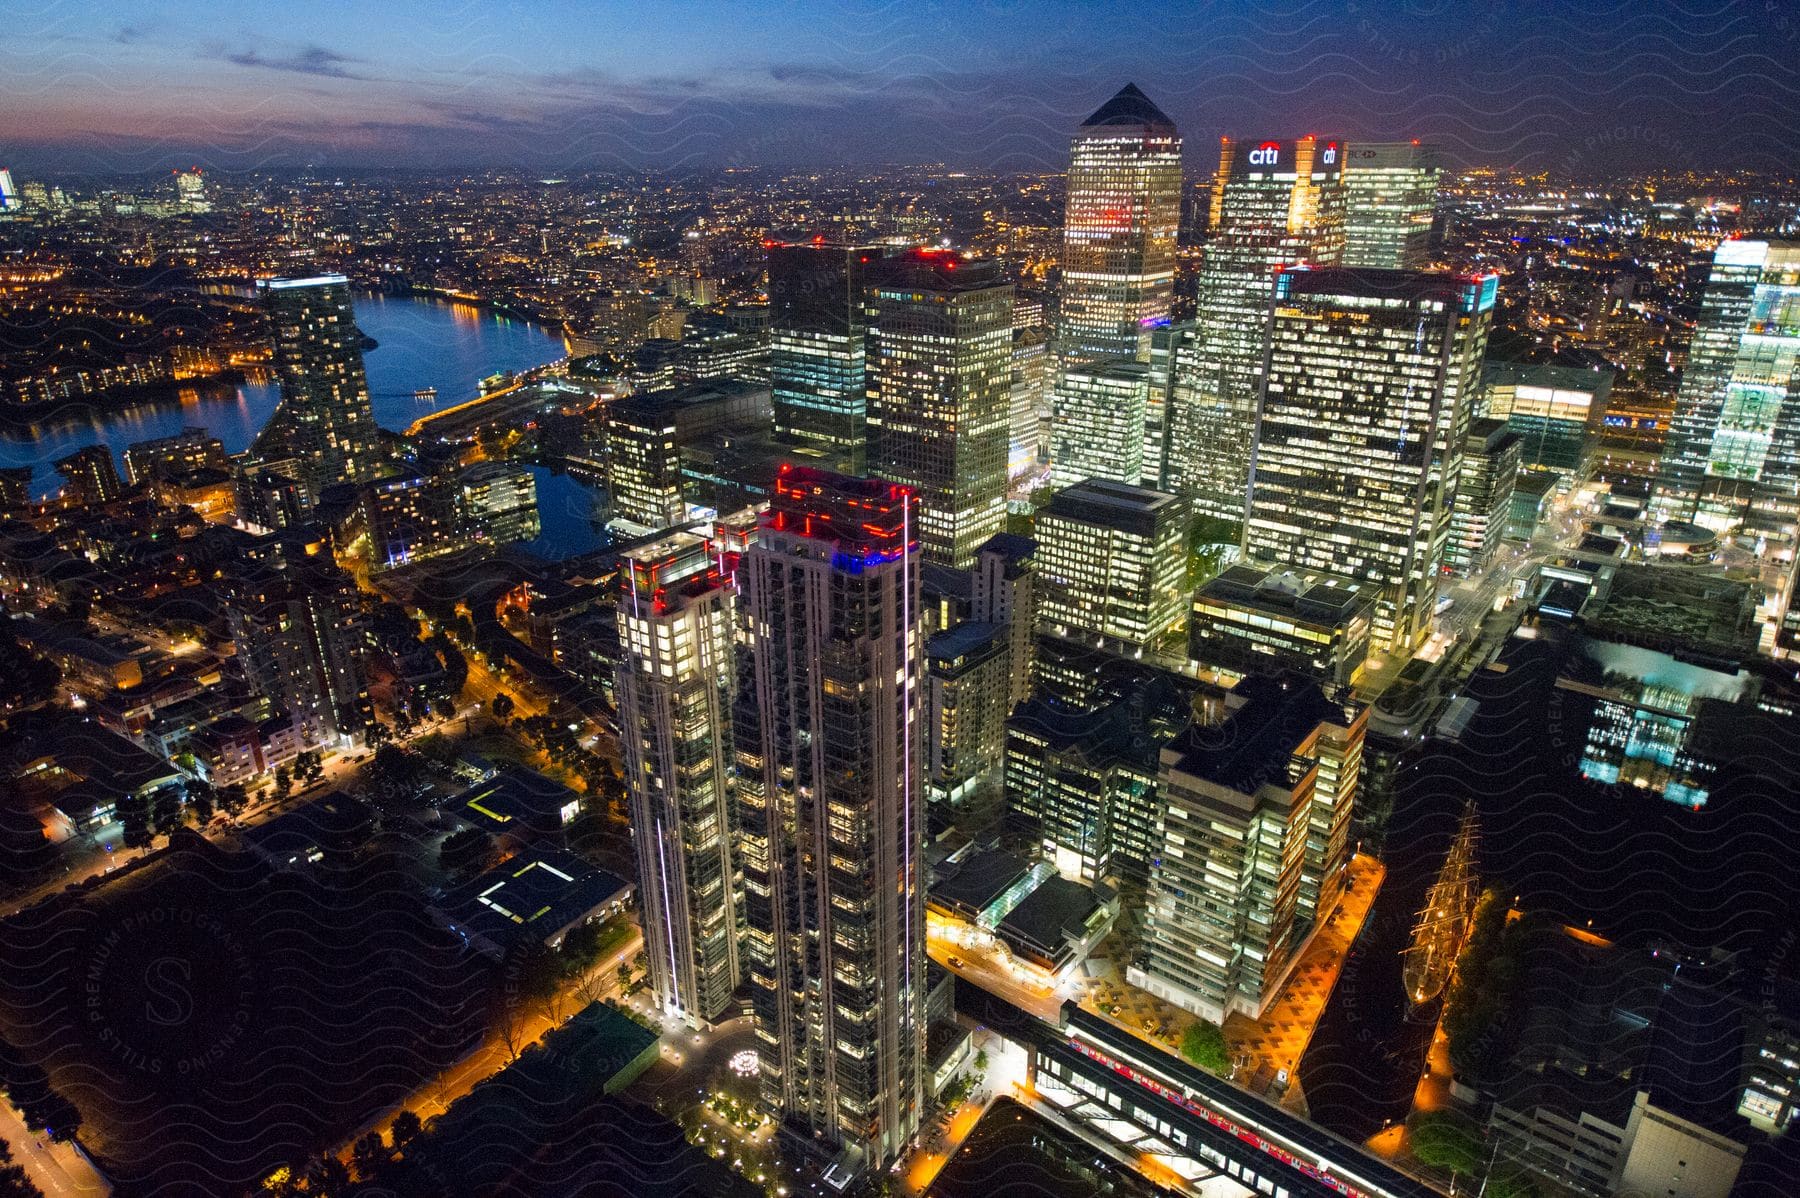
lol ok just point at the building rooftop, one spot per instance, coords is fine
(1255, 743)
(516, 801)
(536, 893)
(1130, 107)
(1411, 286)
(1304, 596)
(1115, 732)
(978, 880)
(1114, 505)
(1675, 610)
(1058, 910)
(971, 636)
(1009, 545)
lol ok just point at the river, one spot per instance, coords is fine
(423, 343)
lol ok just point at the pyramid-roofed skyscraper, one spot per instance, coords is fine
(1124, 204)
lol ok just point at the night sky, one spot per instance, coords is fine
(1585, 86)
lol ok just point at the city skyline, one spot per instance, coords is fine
(1590, 89)
(1272, 670)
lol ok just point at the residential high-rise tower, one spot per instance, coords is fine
(676, 684)
(324, 419)
(833, 810)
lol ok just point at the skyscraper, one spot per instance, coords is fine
(676, 684)
(9, 196)
(1124, 204)
(1359, 436)
(939, 365)
(1273, 203)
(296, 631)
(1112, 564)
(1099, 430)
(91, 475)
(1484, 495)
(816, 346)
(1733, 449)
(1390, 190)
(833, 812)
(1255, 845)
(324, 418)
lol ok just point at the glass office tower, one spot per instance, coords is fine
(1733, 451)
(1124, 205)
(1390, 192)
(1273, 203)
(816, 345)
(1361, 431)
(940, 388)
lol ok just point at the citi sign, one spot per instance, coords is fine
(1267, 154)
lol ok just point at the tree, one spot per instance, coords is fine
(203, 799)
(284, 782)
(376, 734)
(1446, 1140)
(232, 798)
(405, 1129)
(328, 1177)
(501, 706)
(133, 812)
(370, 1155)
(443, 708)
(1204, 1044)
(465, 849)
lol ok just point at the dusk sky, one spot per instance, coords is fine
(1581, 85)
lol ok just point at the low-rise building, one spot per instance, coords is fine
(1247, 620)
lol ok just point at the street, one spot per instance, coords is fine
(56, 1169)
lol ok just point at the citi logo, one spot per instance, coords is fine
(1266, 154)
(1329, 155)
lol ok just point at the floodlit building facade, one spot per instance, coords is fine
(1124, 206)
(676, 686)
(1361, 430)
(833, 813)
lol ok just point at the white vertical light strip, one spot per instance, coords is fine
(662, 868)
(906, 766)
